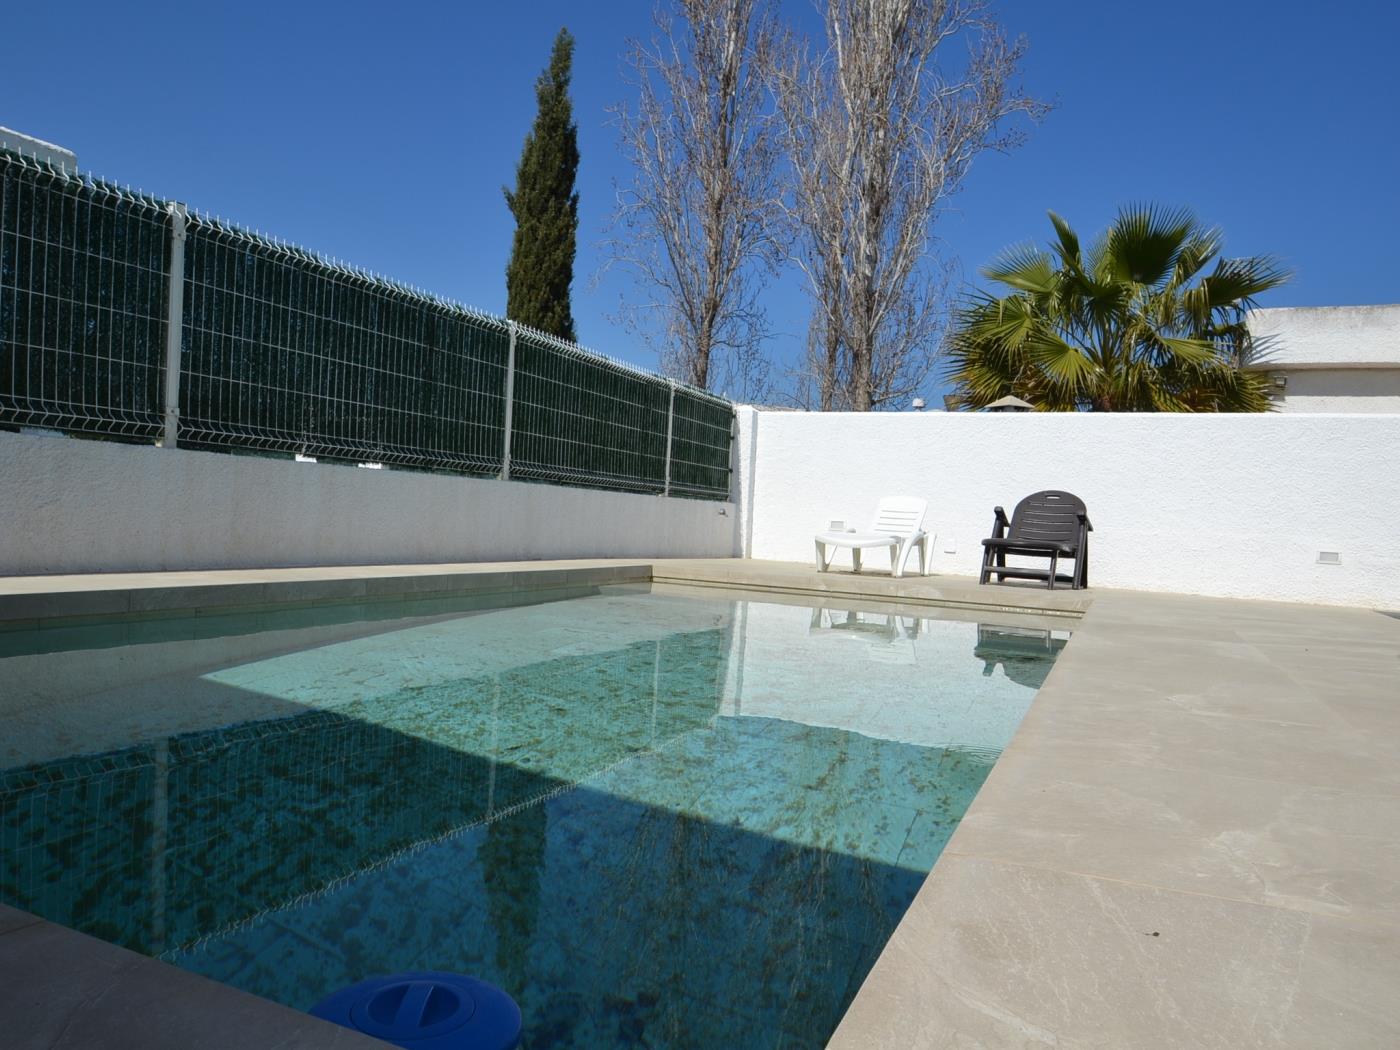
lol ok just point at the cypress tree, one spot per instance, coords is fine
(545, 206)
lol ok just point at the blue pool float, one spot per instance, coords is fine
(427, 1011)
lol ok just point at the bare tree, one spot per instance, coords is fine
(699, 221)
(880, 131)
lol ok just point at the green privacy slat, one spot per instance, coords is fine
(586, 421)
(284, 351)
(82, 303)
(700, 445)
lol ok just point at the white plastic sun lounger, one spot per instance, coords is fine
(898, 525)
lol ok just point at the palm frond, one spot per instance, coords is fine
(1062, 362)
(1145, 241)
(1067, 247)
(1200, 248)
(1237, 281)
(1194, 351)
(1024, 267)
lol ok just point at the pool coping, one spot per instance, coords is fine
(64, 989)
(27, 600)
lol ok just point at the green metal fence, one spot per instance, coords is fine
(581, 421)
(702, 433)
(281, 351)
(82, 303)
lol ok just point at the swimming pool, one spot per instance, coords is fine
(654, 818)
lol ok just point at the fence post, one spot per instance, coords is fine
(733, 455)
(510, 403)
(174, 323)
(670, 429)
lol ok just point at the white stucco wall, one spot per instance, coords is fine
(1332, 358)
(1228, 505)
(70, 505)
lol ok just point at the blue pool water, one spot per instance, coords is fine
(654, 819)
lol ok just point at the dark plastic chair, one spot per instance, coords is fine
(1048, 524)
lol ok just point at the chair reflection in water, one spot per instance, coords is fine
(1020, 652)
(889, 636)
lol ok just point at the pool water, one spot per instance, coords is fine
(654, 819)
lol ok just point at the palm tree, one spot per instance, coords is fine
(1133, 324)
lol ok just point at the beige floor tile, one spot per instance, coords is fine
(998, 955)
(1265, 842)
(1310, 751)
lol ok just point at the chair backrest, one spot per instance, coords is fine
(1047, 517)
(900, 515)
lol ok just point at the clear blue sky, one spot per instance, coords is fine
(382, 133)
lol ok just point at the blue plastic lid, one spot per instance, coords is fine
(427, 1011)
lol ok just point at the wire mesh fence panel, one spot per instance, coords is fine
(284, 351)
(82, 302)
(701, 436)
(584, 420)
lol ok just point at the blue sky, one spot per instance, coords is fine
(382, 134)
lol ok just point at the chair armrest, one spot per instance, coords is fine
(1084, 520)
(999, 524)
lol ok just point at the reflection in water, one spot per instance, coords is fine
(511, 861)
(889, 637)
(1024, 654)
(598, 831)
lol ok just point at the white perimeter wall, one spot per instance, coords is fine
(69, 505)
(1235, 506)
(1227, 505)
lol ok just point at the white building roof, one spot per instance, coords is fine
(1328, 336)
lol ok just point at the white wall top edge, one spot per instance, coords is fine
(1327, 336)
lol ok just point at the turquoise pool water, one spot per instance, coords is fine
(654, 819)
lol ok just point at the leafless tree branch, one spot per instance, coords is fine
(699, 224)
(880, 130)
